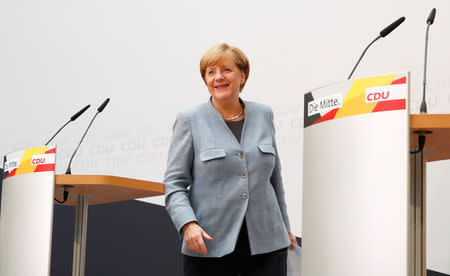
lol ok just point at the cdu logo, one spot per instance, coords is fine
(42, 159)
(386, 93)
(377, 96)
(38, 161)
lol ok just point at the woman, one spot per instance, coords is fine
(223, 184)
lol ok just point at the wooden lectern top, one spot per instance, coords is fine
(104, 188)
(437, 143)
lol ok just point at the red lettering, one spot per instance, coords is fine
(377, 96)
(38, 161)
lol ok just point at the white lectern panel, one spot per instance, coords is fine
(356, 186)
(27, 212)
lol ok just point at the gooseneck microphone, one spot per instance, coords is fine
(430, 20)
(423, 105)
(73, 118)
(383, 33)
(100, 109)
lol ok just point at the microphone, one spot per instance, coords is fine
(100, 109)
(430, 20)
(383, 33)
(73, 118)
(392, 27)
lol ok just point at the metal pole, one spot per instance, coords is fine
(79, 243)
(417, 215)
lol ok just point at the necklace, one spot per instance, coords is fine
(235, 117)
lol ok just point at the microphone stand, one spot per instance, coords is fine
(423, 105)
(364, 52)
(73, 118)
(57, 132)
(68, 171)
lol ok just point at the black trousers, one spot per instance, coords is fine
(238, 263)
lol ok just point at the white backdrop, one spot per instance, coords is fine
(57, 56)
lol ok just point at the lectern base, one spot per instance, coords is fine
(417, 214)
(79, 244)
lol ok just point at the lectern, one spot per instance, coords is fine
(363, 191)
(355, 178)
(29, 187)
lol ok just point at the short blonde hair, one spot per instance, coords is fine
(217, 52)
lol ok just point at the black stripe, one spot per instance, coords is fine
(435, 273)
(307, 121)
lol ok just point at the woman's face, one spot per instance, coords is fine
(224, 80)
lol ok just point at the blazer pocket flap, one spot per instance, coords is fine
(212, 154)
(267, 149)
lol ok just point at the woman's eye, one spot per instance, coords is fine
(210, 72)
(227, 69)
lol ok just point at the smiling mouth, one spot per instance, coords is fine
(221, 86)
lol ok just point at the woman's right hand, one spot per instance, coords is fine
(193, 236)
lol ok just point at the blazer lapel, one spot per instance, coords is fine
(247, 123)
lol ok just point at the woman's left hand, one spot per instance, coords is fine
(293, 241)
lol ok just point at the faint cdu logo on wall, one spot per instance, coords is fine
(323, 105)
(385, 93)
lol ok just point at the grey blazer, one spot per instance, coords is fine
(213, 179)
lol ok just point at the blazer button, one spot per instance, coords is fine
(244, 175)
(241, 154)
(245, 195)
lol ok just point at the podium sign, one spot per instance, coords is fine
(356, 178)
(27, 212)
